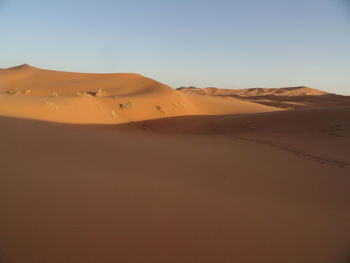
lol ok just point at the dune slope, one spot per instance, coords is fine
(287, 98)
(252, 92)
(30, 92)
(100, 193)
(159, 175)
(322, 135)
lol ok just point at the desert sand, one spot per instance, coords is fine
(122, 168)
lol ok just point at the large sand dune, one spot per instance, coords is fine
(30, 92)
(169, 177)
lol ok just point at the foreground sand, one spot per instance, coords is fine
(232, 181)
(100, 194)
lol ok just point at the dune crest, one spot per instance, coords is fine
(300, 97)
(288, 91)
(105, 94)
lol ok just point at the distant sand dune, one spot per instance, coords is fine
(289, 91)
(287, 98)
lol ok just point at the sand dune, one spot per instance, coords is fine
(289, 91)
(44, 82)
(321, 135)
(94, 193)
(30, 92)
(287, 98)
(159, 175)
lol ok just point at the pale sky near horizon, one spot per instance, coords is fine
(221, 43)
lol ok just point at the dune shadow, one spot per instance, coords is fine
(281, 129)
(297, 102)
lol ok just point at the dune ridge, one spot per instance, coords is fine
(287, 91)
(26, 92)
(300, 97)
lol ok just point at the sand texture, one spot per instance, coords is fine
(121, 168)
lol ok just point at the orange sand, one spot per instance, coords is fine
(169, 177)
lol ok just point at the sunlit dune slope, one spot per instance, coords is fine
(30, 92)
(46, 82)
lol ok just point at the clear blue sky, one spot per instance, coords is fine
(222, 43)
